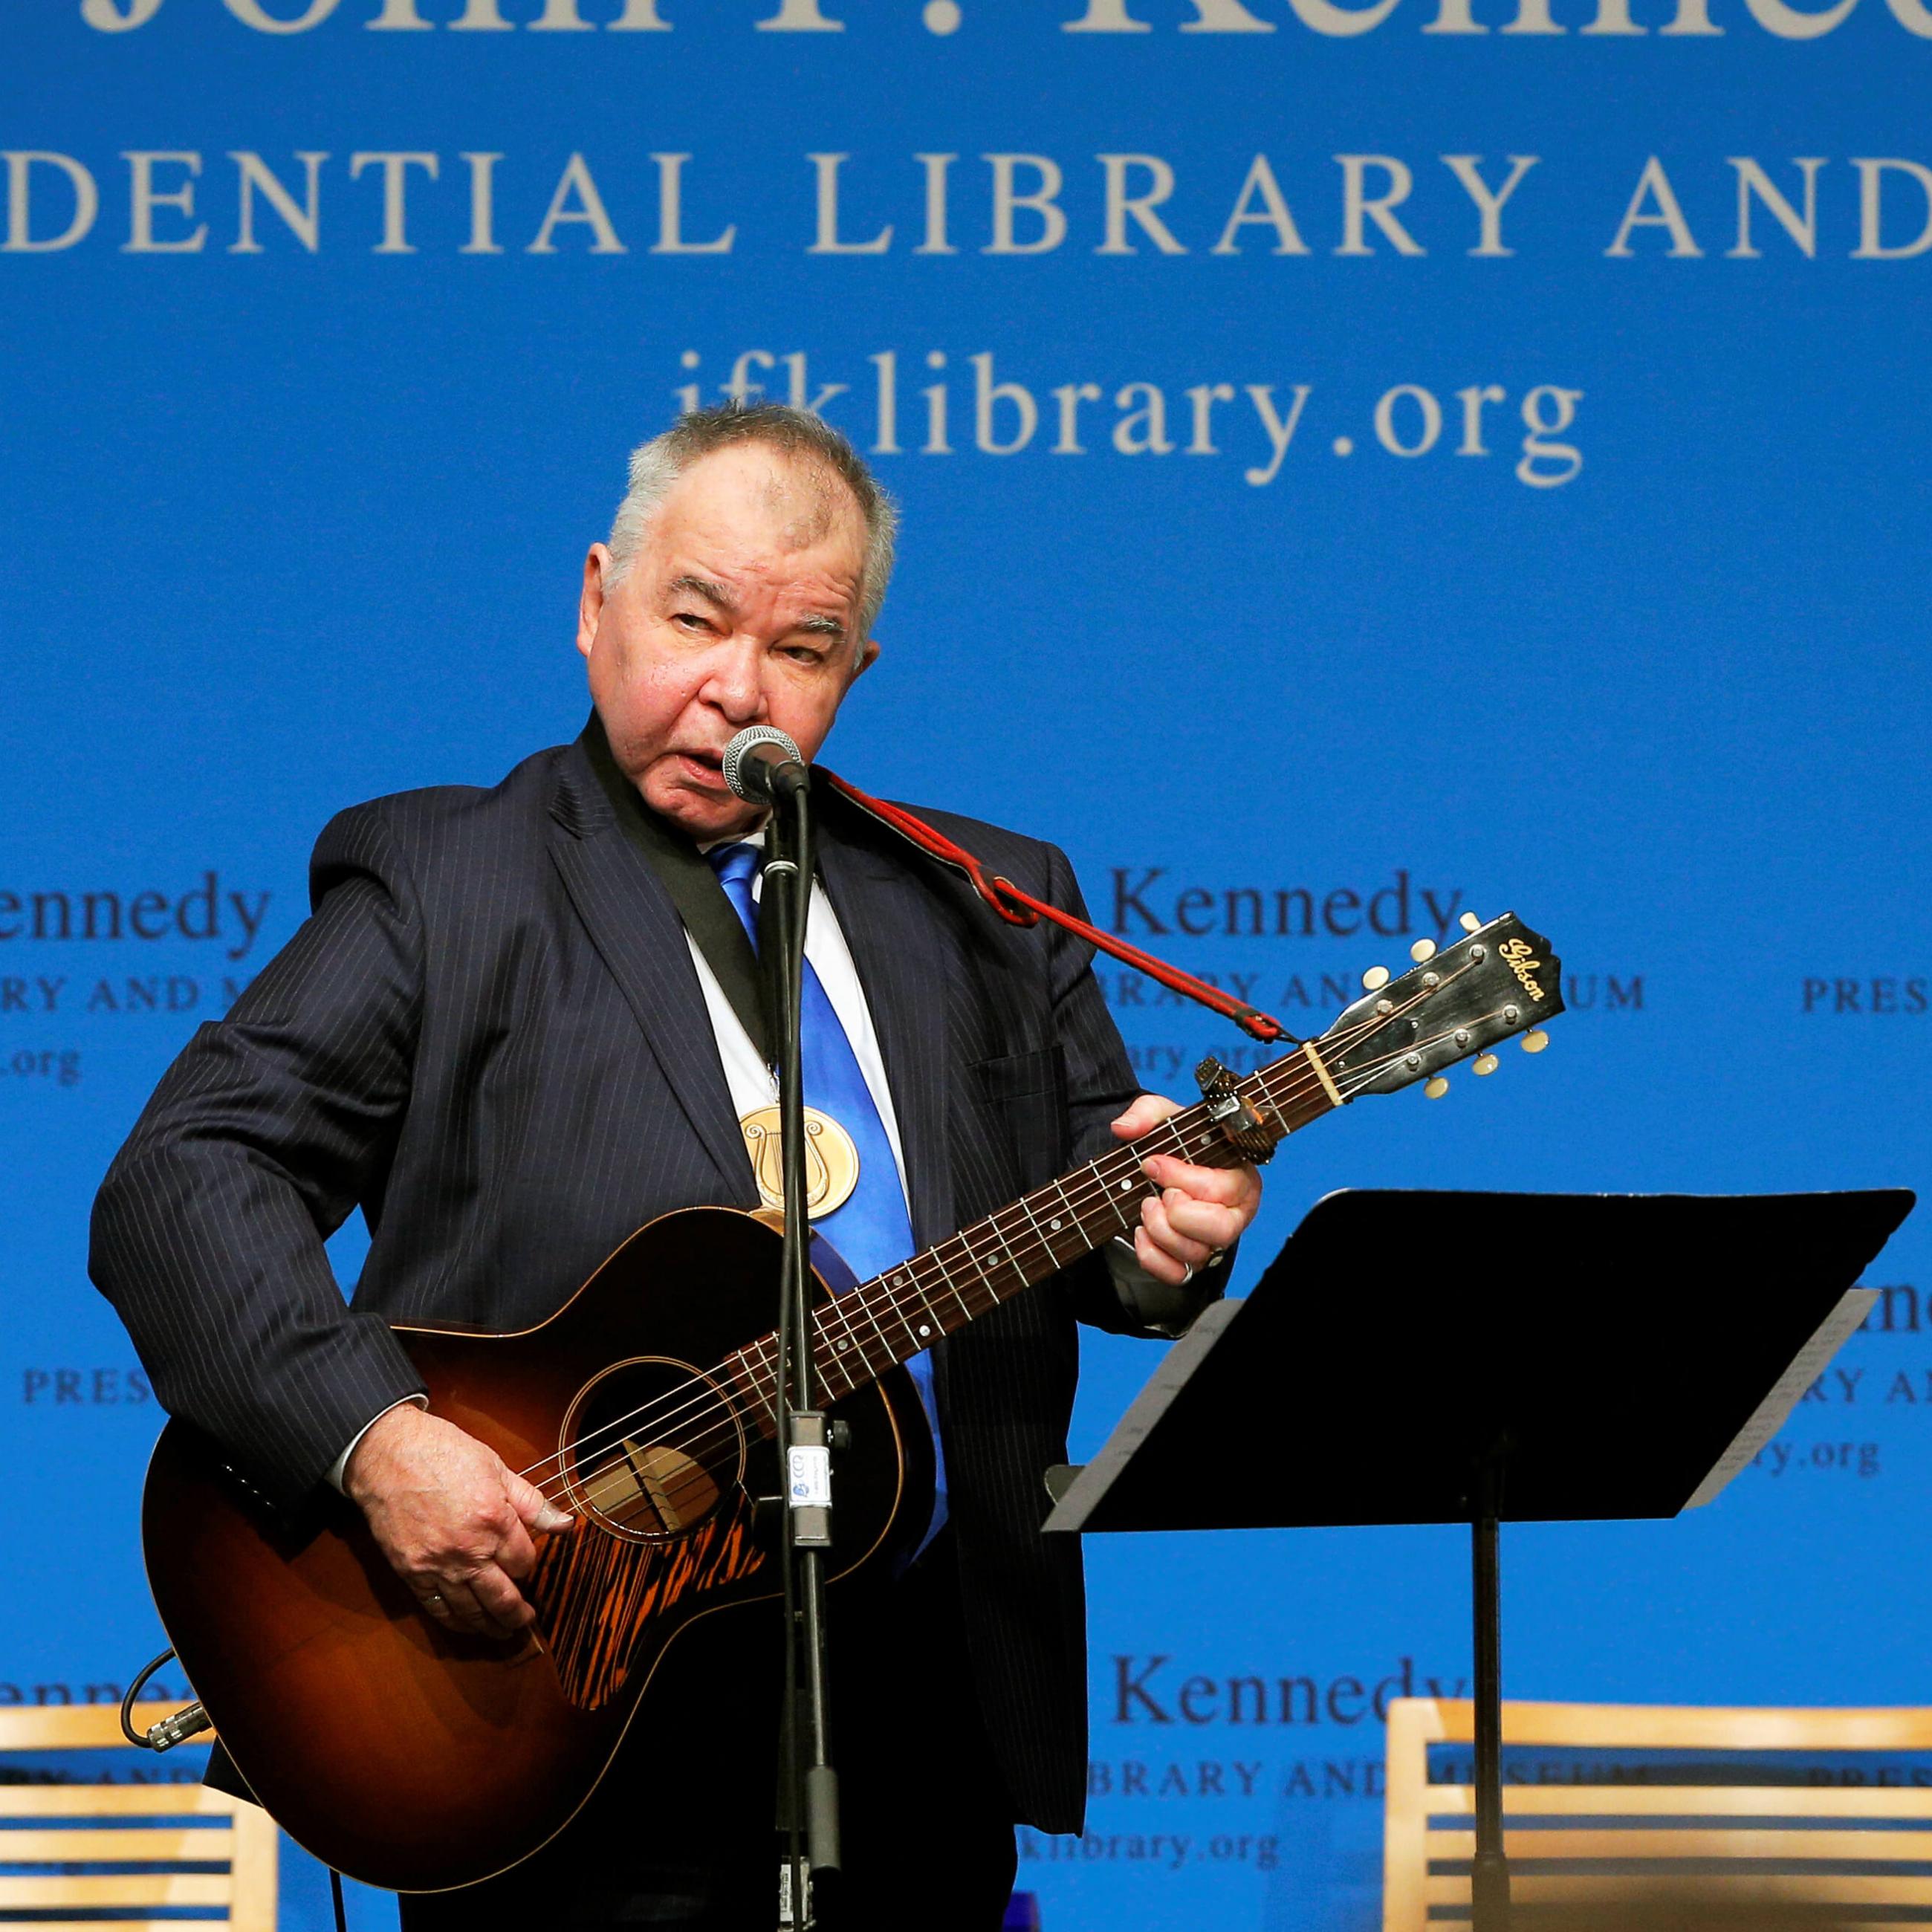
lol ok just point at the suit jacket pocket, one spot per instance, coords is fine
(1028, 1093)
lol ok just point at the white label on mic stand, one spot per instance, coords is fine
(810, 1474)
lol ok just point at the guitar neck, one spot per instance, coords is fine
(857, 1336)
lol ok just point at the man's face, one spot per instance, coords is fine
(741, 606)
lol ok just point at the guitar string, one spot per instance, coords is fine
(1099, 1180)
(862, 1300)
(840, 1320)
(702, 1481)
(1099, 1187)
(1101, 1174)
(705, 1395)
(1360, 1079)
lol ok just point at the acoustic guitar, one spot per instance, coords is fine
(411, 1757)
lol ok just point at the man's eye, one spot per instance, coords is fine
(694, 619)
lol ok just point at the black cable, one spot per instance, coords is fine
(128, 1729)
(335, 1893)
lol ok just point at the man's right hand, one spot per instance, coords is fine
(454, 1520)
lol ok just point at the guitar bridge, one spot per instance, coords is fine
(1237, 1118)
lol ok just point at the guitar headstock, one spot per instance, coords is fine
(1498, 980)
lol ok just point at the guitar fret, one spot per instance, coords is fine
(935, 1295)
(872, 1316)
(924, 1332)
(993, 1228)
(838, 1348)
(945, 1276)
(905, 1322)
(831, 1369)
(739, 1370)
(1025, 1207)
(1079, 1228)
(984, 1262)
(833, 1359)
(1119, 1191)
(965, 1307)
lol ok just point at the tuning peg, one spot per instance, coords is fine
(1472, 922)
(1375, 979)
(1535, 1040)
(1488, 1064)
(1436, 1088)
(1423, 948)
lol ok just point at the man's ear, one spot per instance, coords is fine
(869, 652)
(597, 564)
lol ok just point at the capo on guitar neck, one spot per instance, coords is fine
(1237, 1118)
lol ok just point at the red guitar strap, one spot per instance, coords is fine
(1021, 908)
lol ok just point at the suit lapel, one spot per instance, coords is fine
(638, 934)
(901, 956)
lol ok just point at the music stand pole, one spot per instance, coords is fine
(1489, 1886)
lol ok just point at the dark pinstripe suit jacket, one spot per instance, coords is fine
(490, 1037)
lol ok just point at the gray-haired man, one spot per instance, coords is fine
(477, 964)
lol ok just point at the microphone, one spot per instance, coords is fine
(763, 765)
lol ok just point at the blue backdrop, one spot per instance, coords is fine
(1467, 451)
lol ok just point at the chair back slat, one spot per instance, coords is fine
(1607, 1842)
(1781, 1888)
(92, 1890)
(94, 1800)
(50, 1727)
(148, 1845)
(1694, 1801)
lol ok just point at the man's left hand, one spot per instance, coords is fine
(1198, 1211)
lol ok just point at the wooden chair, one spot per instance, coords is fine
(1712, 1847)
(50, 1833)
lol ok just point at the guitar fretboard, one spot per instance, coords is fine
(857, 1336)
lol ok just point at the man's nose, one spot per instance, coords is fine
(737, 684)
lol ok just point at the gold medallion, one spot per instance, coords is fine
(831, 1160)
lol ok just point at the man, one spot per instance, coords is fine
(498, 1036)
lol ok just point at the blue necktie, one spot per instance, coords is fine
(870, 1229)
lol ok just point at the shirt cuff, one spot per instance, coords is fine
(1164, 1307)
(336, 1468)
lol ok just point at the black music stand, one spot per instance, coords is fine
(1532, 1358)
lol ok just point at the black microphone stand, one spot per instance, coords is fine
(808, 1785)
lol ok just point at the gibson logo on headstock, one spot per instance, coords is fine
(1516, 956)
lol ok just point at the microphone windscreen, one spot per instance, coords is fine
(738, 757)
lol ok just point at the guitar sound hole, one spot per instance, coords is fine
(651, 1446)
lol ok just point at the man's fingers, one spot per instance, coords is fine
(1148, 1110)
(516, 1555)
(499, 1602)
(536, 1509)
(1211, 1225)
(1225, 1186)
(451, 1602)
(1155, 1259)
(435, 1606)
(1186, 1247)
(485, 1603)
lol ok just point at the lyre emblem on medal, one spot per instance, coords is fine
(831, 1160)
